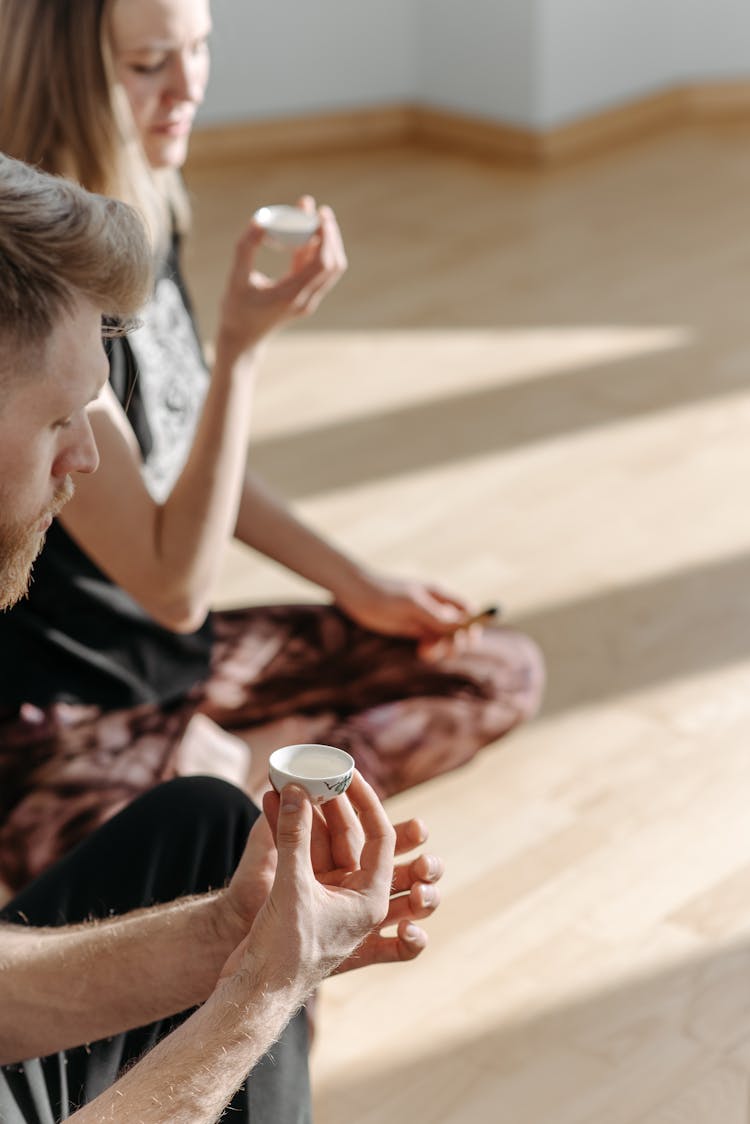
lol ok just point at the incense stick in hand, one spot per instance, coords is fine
(482, 617)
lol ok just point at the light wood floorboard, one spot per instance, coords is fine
(536, 387)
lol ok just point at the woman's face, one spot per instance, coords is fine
(161, 58)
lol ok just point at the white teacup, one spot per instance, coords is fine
(286, 227)
(322, 770)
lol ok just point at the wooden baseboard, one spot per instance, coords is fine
(400, 124)
(719, 101)
(475, 136)
(611, 127)
(709, 103)
(357, 129)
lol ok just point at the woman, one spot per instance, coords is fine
(113, 674)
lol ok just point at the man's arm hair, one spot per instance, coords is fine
(192, 1074)
(149, 964)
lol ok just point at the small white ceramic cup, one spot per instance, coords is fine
(322, 770)
(286, 227)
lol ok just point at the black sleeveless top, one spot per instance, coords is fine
(78, 637)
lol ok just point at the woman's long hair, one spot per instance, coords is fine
(61, 108)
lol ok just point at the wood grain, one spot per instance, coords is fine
(535, 386)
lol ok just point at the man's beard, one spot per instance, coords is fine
(20, 547)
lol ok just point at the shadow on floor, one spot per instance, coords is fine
(485, 421)
(643, 634)
(657, 1049)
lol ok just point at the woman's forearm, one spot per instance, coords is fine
(199, 516)
(268, 526)
(167, 555)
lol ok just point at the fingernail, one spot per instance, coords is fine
(411, 933)
(433, 866)
(291, 798)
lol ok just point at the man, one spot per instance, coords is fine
(188, 896)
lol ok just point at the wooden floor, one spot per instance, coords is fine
(536, 387)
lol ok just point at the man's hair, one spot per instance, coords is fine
(59, 243)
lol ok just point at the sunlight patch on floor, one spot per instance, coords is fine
(301, 389)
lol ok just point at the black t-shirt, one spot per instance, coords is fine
(78, 637)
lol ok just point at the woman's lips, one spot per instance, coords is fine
(173, 128)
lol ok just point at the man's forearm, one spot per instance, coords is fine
(191, 1075)
(149, 964)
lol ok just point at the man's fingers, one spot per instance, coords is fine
(271, 809)
(290, 814)
(409, 835)
(425, 868)
(410, 940)
(376, 860)
(346, 833)
(320, 845)
(421, 901)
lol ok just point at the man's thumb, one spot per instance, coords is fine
(294, 824)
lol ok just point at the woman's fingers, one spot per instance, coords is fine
(317, 267)
(254, 304)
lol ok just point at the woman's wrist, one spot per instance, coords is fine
(232, 357)
(352, 582)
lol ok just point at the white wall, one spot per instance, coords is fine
(533, 63)
(292, 57)
(717, 38)
(598, 53)
(479, 57)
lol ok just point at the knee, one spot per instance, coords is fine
(535, 674)
(201, 800)
(518, 672)
(192, 832)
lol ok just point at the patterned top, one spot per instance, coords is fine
(173, 384)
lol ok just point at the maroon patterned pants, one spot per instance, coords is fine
(67, 769)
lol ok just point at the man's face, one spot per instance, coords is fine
(45, 436)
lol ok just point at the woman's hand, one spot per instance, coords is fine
(255, 304)
(400, 607)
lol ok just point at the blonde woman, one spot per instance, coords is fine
(114, 675)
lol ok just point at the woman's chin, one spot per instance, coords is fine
(167, 152)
